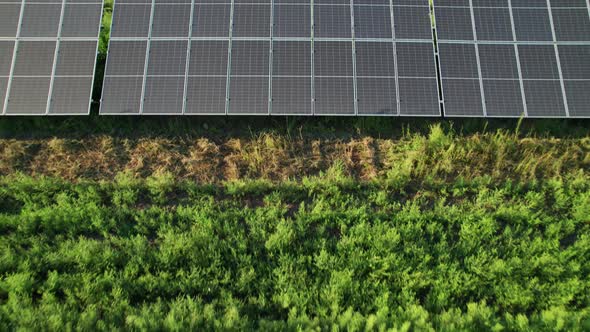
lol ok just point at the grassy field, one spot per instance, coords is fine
(208, 223)
(299, 224)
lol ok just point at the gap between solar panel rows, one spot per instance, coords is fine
(328, 57)
(48, 53)
(507, 58)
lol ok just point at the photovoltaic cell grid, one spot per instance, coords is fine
(507, 58)
(48, 52)
(280, 57)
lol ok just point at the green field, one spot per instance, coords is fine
(299, 224)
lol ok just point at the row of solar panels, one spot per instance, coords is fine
(503, 58)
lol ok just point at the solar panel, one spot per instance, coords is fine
(40, 19)
(291, 78)
(514, 57)
(207, 77)
(292, 20)
(334, 76)
(9, 18)
(571, 20)
(248, 90)
(282, 57)
(578, 97)
(376, 87)
(47, 56)
(171, 20)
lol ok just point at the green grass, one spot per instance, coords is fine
(301, 227)
(325, 252)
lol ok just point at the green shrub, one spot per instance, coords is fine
(328, 252)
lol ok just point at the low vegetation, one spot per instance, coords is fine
(436, 155)
(422, 231)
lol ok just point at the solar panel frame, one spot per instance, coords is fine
(292, 95)
(10, 103)
(219, 12)
(372, 22)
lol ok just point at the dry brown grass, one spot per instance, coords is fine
(274, 157)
